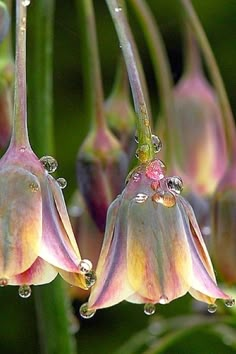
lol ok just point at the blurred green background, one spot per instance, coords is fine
(111, 328)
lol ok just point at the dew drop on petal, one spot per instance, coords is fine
(175, 184)
(165, 198)
(85, 265)
(90, 278)
(149, 309)
(24, 291)
(3, 282)
(136, 176)
(163, 300)
(25, 3)
(118, 9)
(140, 198)
(49, 163)
(156, 143)
(230, 302)
(212, 308)
(62, 182)
(85, 312)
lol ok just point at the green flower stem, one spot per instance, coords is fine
(161, 67)
(192, 54)
(214, 72)
(133, 64)
(20, 132)
(40, 83)
(92, 72)
(121, 87)
(51, 300)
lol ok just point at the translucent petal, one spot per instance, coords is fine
(39, 273)
(159, 261)
(112, 284)
(20, 220)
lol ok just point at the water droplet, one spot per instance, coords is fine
(34, 187)
(90, 278)
(120, 46)
(136, 176)
(141, 152)
(3, 282)
(136, 138)
(141, 198)
(175, 184)
(165, 198)
(49, 163)
(156, 143)
(85, 312)
(163, 300)
(118, 9)
(230, 302)
(25, 3)
(24, 291)
(149, 309)
(212, 308)
(62, 182)
(85, 265)
(22, 149)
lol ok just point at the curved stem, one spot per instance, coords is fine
(91, 63)
(20, 132)
(161, 67)
(214, 73)
(192, 54)
(134, 69)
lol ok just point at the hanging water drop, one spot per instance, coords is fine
(24, 291)
(62, 182)
(85, 265)
(163, 300)
(3, 282)
(85, 312)
(25, 3)
(90, 278)
(156, 143)
(149, 309)
(49, 163)
(212, 308)
(141, 198)
(230, 302)
(175, 184)
(118, 9)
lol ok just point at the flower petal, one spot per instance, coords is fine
(157, 266)
(56, 247)
(20, 220)
(112, 285)
(39, 273)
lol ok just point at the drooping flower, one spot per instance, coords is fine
(153, 251)
(36, 237)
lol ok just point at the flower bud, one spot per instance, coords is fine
(101, 170)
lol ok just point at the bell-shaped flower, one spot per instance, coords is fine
(153, 251)
(36, 237)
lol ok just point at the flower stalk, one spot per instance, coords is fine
(145, 146)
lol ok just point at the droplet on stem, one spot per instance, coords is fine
(24, 291)
(90, 278)
(118, 9)
(85, 312)
(25, 3)
(149, 309)
(156, 143)
(49, 163)
(175, 184)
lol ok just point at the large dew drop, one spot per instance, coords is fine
(149, 309)
(49, 163)
(24, 291)
(230, 302)
(90, 278)
(85, 265)
(175, 184)
(62, 182)
(212, 308)
(141, 198)
(85, 312)
(165, 198)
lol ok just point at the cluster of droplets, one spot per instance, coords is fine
(228, 303)
(143, 149)
(50, 164)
